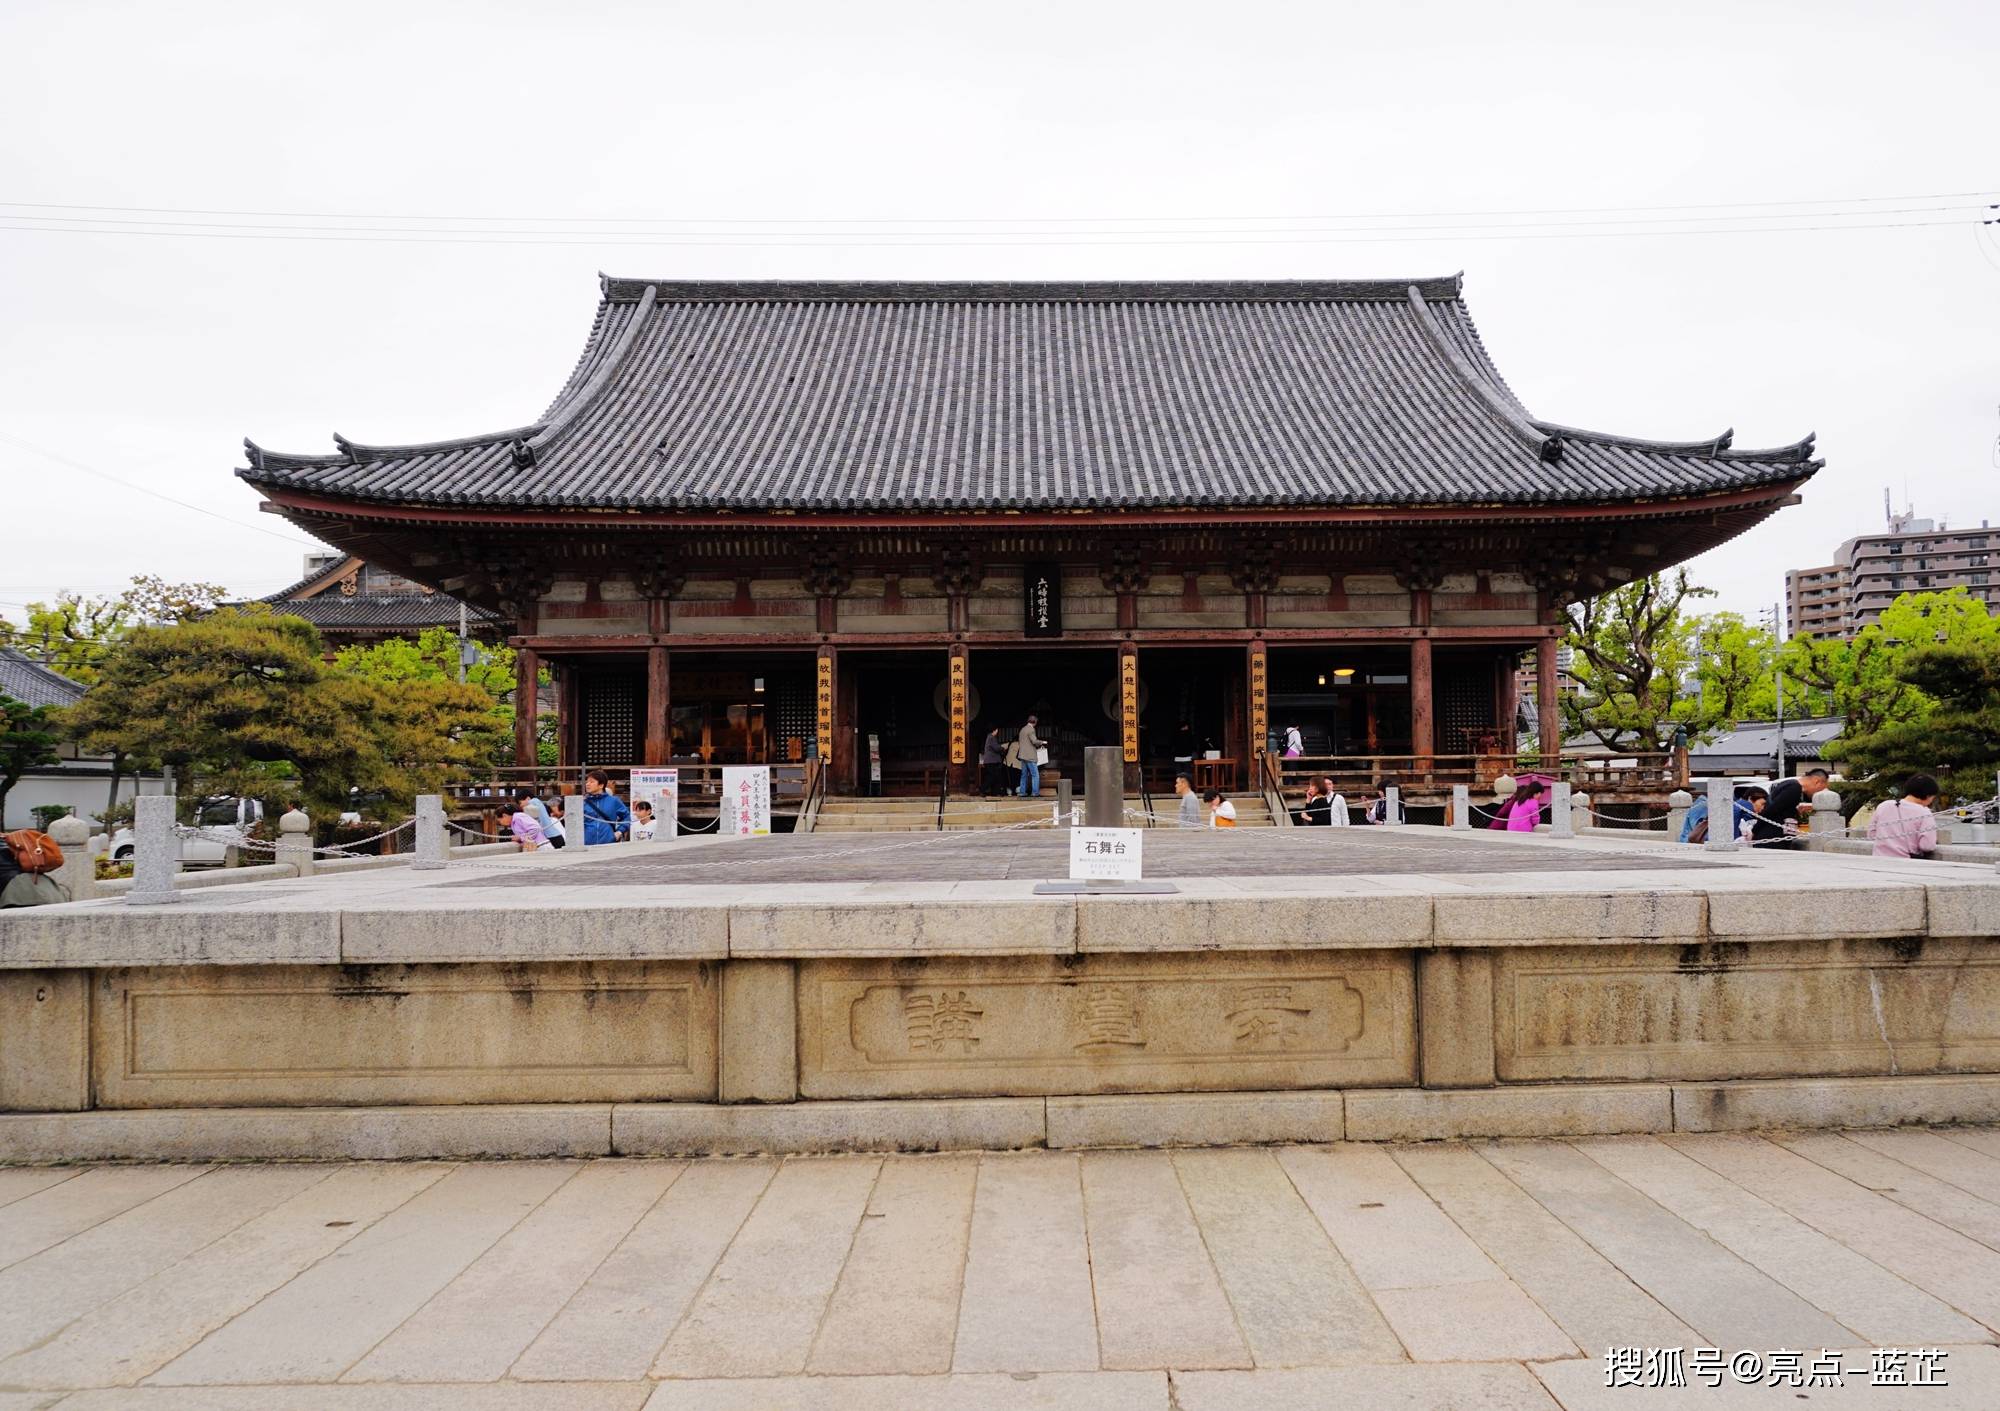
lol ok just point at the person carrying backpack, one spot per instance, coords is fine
(26, 863)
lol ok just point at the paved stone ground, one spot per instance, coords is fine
(1023, 855)
(1435, 1276)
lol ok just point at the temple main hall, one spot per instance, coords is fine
(865, 523)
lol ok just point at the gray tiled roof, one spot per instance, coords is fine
(31, 683)
(885, 397)
(365, 611)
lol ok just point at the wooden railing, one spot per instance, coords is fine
(1271, 781)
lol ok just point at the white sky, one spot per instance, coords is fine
(149, 358)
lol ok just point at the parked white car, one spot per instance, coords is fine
(223, 822)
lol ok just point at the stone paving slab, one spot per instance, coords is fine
(1441, 1275)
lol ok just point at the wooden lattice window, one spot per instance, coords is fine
(613, 718)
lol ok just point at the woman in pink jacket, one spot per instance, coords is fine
(1522, 812)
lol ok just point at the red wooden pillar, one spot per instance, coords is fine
(1421, 705)
(1506, 698)
(569, 718)
(527, 705)
(659, 714)
(1546, 705)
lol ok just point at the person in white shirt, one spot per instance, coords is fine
(1221, 812)
(642, 821)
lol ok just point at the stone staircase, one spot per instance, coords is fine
(912, 815)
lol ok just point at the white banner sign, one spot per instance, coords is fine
(746, 799)
(662, 789)
(1104, 854)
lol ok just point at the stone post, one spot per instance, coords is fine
(1678, 804)
(1721, 816)
(1461, 806)
(573, 821)
(1103, 787)
(295, 844)
(1562, 822)
(156, 851)
(1825, 824)
(1064, 802)
(1579, 812)
(430, 833)
(1392, 806)
(78, 873)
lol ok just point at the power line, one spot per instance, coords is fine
(987, 220)
(60, 459)
(1110, 241)
(834, 236)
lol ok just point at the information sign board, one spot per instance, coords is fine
(662, 789)
(746, 797)
(1104, 854)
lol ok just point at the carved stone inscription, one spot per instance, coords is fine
(297, 1035)
(1737, 1011)
(1105, 1024)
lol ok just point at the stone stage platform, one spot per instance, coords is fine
(699, 996)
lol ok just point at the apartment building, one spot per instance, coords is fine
(1816, 601)
(1871, 571)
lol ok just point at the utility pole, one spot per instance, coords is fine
(1778, 633)
(464, 655)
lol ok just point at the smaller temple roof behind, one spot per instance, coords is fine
(31, 683)
(872, 398)
(344, 596)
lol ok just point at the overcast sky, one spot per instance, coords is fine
(926, 141)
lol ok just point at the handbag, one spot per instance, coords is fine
(1041, 756)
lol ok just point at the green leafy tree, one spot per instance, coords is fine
(1957, 738)
(74, 634)
(1864, 678)
(243, 702)
(28, 739)
(1646, 666)
(433, 658)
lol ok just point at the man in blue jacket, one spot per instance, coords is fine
(605, 817)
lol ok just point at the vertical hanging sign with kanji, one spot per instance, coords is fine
(1041, 601)
(1260, 700)
(958, 693)
(1128, 704)
(825, 709)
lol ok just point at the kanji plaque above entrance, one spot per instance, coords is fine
(1042, 601)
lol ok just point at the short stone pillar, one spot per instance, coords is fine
(1392, 806)
(430, 834)
(156, 851)
(78, 873)
(1678, 804)
(1825, 823)
(1579, 812)
(1562, 822)
(1721, 816)
(573, 821)
(1065, 803)
(1103, 786)
(295, 844)
(1461, 806)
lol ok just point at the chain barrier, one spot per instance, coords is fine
(1957, 812)
(346, 849)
